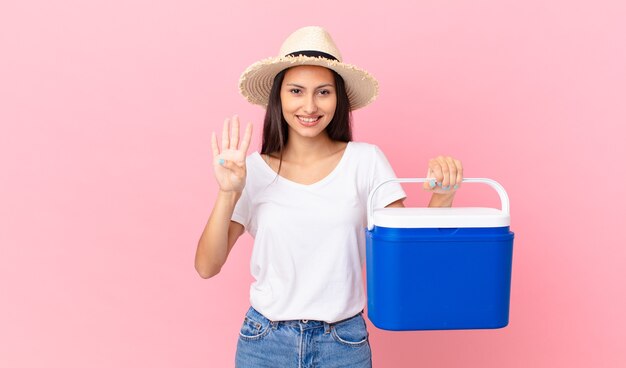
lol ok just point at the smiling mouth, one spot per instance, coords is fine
(309, 121)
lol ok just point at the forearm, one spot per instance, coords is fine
(212, 248)
(441, 200)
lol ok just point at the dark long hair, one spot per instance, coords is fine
(276, 130)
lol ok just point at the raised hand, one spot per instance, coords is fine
(446, 174)
(229, 165)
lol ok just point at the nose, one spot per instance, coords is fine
(310, 106)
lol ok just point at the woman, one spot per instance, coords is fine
(303, 198)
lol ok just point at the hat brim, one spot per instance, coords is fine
(256, 81)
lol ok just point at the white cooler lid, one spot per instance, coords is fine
(436, 217)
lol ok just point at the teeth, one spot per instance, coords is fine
(307, 120)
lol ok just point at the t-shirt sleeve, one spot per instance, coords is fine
(381, 171)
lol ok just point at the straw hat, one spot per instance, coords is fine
(307, 46)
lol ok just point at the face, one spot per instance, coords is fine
(309, 98)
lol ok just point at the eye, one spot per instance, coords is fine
(295, 91)
(324, 92)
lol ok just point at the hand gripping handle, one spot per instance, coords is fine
(504, 198)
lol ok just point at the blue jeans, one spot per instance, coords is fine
(302, 343)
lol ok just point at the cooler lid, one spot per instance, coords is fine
(440, 217)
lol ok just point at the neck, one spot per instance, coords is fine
(303, 149)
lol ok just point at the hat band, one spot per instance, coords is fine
(313, 53)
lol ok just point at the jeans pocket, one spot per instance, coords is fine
(352, 332)
(254, 327)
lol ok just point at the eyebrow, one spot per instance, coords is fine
(299, 86)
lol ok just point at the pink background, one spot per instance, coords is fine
(106, 111)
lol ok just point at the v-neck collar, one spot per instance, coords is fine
(325, 179)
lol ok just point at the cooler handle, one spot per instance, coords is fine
(504, 198)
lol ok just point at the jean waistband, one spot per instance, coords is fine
(306, 324)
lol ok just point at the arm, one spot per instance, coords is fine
(220, 233)
(219, 236)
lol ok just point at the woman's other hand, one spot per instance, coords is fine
(229, 165)
(445, 174)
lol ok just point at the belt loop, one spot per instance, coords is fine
(274, 325)
(327, 327)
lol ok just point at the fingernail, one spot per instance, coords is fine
(220, 161)
(446, 187)
(432, 184)
(456, 186)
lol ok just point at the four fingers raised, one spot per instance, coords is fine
(230, 139)
(229, 160)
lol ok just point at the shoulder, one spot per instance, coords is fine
(363, 147)
(365, 151)
(253, 158)
(254, 165)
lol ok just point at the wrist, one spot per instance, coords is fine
(228, 194)
(444, 195)
(441, 199)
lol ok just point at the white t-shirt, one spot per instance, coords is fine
(309, 240)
